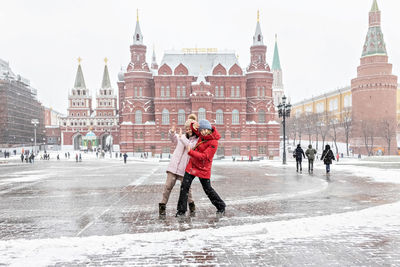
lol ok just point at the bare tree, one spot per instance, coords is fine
(388, 129)
(368, 130)
(308, 125)
(333, 123)
(346, 124)
(316, 118)
(300, 126)
(323, 127)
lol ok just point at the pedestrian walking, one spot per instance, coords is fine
(22, 157)
(68, 155)
(311, 153)
(200, 163)
(337, 157)
(58, 157)
(80, 157)
(178, 163)
(125, 157)
(327, 156)
(76, 157)
(299, 155)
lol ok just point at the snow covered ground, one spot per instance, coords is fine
(343, 235)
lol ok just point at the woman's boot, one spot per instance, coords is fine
(192, 209)
(161, 209)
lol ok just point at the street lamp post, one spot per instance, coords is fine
(284, 111)
(35, 122)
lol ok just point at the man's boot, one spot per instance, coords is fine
(161, 209)
(192, 209)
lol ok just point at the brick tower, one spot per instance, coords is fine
(136, 88)
(260, 106)
(374, 92)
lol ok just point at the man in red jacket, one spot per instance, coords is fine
(201, 157)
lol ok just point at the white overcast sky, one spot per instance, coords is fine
(320, 41)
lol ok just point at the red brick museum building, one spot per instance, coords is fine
(211, 84)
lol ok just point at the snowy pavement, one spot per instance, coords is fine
(102, 212)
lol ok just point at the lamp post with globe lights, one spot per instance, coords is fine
(284, 111)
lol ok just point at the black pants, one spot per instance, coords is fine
(298, 163)
(310, 164)
(210, 192)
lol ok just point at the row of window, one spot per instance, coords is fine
(83, 123)
(105, 92)
(78, 103)
(333, 104)
(105, 103)
(219, 116)
(165, 91)
(78, 92)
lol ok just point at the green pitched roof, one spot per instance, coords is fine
(106, 79)
(79, 80)
(276, 63)
(374, 7)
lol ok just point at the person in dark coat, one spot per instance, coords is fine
(200, 163)
(311, 153)
(125, 157)
(22, 157)
(327, 156)
(299, 155)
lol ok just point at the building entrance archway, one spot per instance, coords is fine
(77, 142)
(107, 142)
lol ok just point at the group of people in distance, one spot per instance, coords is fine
(192, 157)
(327, 157)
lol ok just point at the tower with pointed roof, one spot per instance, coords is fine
(136, 93)
(277, 85)
(79, 98)
(106, 100)
(374, 91)
(154, 65)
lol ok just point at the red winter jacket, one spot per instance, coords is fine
(201, 156)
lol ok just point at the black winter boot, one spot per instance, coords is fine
(161, 209)
(192, 208)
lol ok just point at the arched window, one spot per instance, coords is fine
(235, 116)
(140, 91)
(258, 91)
(178, 91)
(261, 116)
(181, 117)
(135, 92)
(219, 117)
(233, 91)
(162, 91)
(237, 91)
(138, 116)
(165, 117)
(259, 38)
(183, 91)
(137, 37)
(216, 91)
(222, 91)
(167, 92)
(202, 114)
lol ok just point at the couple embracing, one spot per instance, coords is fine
(192, 158)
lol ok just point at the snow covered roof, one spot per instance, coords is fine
(197, 63)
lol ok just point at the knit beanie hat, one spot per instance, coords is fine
(191, 118)
(205, 124)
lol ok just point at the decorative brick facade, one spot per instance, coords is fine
(208, 83)
(83, 121)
